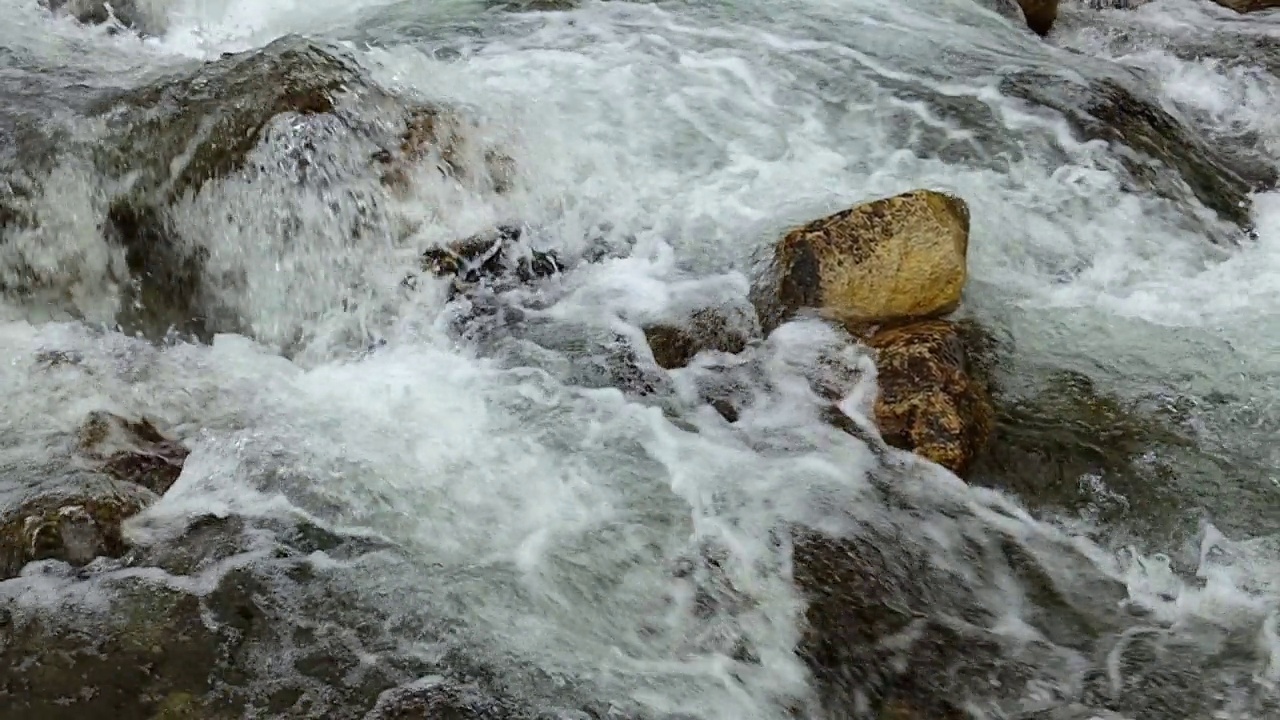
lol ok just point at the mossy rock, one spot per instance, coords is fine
(1151, 141)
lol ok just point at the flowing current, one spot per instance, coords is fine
(538, 517)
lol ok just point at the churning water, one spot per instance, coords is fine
(538, 514)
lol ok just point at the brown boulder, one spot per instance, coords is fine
(896, 258)
(1040, 14)
(1248, 6)
(929, 400)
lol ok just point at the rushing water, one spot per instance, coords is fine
(541, 515)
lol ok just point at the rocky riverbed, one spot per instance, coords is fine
(336, 387)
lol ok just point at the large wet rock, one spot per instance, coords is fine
(247, 622)
(1160, 153)
(1040, 15)
(906, 622)
(75, 524)
(118, 467)
(175, 134)
(929, 400)
(295, 116)
(1248, 6)
(896, 258)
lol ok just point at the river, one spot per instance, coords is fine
(538, 513)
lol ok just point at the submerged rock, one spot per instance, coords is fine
(438, 699)
(132, 450)
(896, 258)
(144, 660)
(929, 401)
(867, 635)
(141, 15)
(1068, 446)
(532, 5)
(1149, 141)
(73, 526)
(716, 329)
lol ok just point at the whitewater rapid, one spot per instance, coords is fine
(544, 515)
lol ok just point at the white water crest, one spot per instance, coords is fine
(543, 513)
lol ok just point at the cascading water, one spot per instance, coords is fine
(519, 522)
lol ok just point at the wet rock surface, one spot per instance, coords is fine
(930, 401)
(73, 525)
(295, 115)
(74, 510)
(224, 107)
(725, 330)
(895, 258)
(132, 450)
(1070, 447)
(1040, 14)
(495, 260)
(868, 603)
(1248, 6)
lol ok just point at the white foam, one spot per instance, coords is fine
(549, 514)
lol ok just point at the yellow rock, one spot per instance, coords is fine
(930, 402)
(896, 258)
